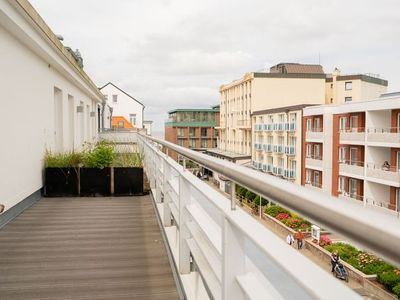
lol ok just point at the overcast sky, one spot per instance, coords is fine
(176, 53)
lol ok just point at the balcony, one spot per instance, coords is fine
(313, 185)
(267, 147)
(352, 136)
(289, 174)
(268, 127)
(314, 162)
(385, 175)
(258, 127)
(279, 149)
(277, 171)
(389, 208)
(279, 126)
(352, 196)
(351, 169)
(389, 137)
(290, 127)
(290, 150)
(258, 147)
(315, 135)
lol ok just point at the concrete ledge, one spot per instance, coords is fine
(14, 211)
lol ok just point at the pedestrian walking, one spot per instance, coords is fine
(300, 239)
(290, 239)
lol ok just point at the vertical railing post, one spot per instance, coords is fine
(184, 218)
(167, 196)
(233, 195)
(158, 167)
(233, 261)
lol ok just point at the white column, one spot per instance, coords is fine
(184, 218)
(233, 262)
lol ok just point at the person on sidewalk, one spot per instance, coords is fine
(290, 239)
(300, 239)
(334, 260)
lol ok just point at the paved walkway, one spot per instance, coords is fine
(85, 248)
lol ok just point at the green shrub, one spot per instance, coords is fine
(100, 157)
(128, 160)
(396, 290)
(376, 268)
(389, 279)
(345, 251)
(263, 201)
(62, 160)
(275, 210)
(250, 195)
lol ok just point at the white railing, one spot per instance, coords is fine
(237, 257)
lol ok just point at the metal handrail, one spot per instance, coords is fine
(373, 229)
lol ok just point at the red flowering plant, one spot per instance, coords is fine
(282, 216)
(324, 241)
(292, 222)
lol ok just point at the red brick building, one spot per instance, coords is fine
(192, 128)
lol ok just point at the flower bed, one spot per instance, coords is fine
(289, 219)
(369, 264)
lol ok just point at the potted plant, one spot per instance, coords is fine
(61, 175)
(128, 174)
(95, 176)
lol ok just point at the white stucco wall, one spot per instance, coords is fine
(125, 105)
(36, 83)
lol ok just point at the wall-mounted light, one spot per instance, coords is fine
(79, 108)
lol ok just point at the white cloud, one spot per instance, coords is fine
(176, 53)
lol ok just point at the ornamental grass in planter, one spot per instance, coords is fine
(61, 174)
(95, 176)
(128, 174)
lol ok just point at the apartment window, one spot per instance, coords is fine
(398, 160)
(331, 85)
(317, 154)
(353, 156)
(203, 143)
(180, 143)
(203, 131)
(281, 118)
(280, 140)
(341, 184)
(192, 143)
(398, 199)
(342, 154)
(317, 124)
(293, 118)
(292, 141)
(398, 122)
(132, 119)
(308, 176)
(308, 124)
(348, 99)
(292, 165)
(316, 178)
(180, 132)
(308, 150)
(353, 123)
(348, 86)
(191, 131)
(115, 98)
(120, 124)
(342, 123)
(353, 187)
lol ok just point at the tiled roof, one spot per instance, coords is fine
(294, 68)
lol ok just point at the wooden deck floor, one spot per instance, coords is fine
(85, 248)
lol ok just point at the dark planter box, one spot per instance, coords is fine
(61, 182)
(95, 182)
(128, 181)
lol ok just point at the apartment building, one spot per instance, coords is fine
(192, 128)
(277, 141)
(285, 85)
(352, 150)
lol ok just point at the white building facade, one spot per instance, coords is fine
(353, 150)
(49, 102)
(124, 105)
